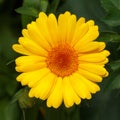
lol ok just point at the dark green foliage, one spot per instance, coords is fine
(14, 101)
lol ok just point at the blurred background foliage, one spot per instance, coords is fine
(14, 102)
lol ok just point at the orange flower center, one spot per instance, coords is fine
(62, 60)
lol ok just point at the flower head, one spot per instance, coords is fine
(61, 60)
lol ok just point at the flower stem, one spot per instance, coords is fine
(23, 112)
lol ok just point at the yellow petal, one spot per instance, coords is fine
(69, 95)
(91, 35)
(56, 97)
(90, 23)
(43, 87)
(99, 58)
(37, 36)
(106, 53)
(102, 45)
(103, 62)
(93, 57)
(29, 63)
(31, 78)
(106, 74)
(53, 29)
(94, 68)
(71, 24)
(88, 37)
(25, 33)
(80, 31)
(30, 67)
(62, 26)
(45, 29)
(92, 87)
(42, 15)
(79, 86)
(80, 21)
(91, 46)
(20, 49)
(93, 28)
(90, 76)
(32, 59)
(32, 46)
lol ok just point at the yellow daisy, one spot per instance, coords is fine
(61, 60)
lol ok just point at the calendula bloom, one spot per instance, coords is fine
(61, 60)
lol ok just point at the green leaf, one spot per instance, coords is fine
(17, 96)
(107, 5)
(118, 48)
(112, 20)
(44, 5)
(116, 80)
(115, 65)
(114, 77)
(109, 37)
(24, 100)
(112, 41)
(116, 3)
(53, 6)
(32, 3)
(26, 19)
(112, 17)
(30, 11)
(30, 8)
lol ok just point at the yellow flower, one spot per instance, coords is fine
(61, 62)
